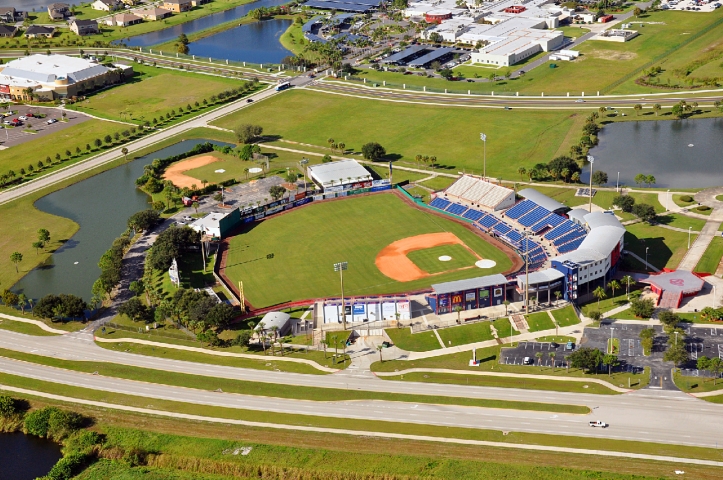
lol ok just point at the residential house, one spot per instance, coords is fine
(196, 3)
(107, 5)
(58, 11)
(177, 6)
(153, 13)
(123, 20)
(10, 15)
(84, 27)
(37, 31)
(8, 30)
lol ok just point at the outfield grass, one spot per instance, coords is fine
(711, 258)
(666, 248)
(428, 259)
(404, 129)
(539, 321)
(565, 316)
(413, 342)
(149, 94)
(353, 230)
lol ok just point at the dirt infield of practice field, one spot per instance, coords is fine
(175, 174)
(393, 262)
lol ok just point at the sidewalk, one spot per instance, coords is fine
(37, 323)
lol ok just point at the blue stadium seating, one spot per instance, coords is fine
(456, 209)
(515, 236)
(473, 214)
(520, 209)
(569, 247)
(488, 221)
(551, 221)
(533, 217)
(566, 227)
(440, 203)
(502, 228)
(569, 237)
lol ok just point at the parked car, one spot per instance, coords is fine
(51, 121)
(554, 344)
(29, 115)
(598, 423)
(527, 361)
(249, 100)
(387, 344)
(570, 346)
(22, 117)
(187, 219)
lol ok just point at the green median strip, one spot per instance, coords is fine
(163, 377)
(357, 425)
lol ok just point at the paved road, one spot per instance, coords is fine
(115, 153)
(656, 416)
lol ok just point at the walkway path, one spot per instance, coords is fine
(637, 257)
(710, 230)
(37, 323)
(362, 433)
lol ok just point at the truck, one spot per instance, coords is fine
(598, 423)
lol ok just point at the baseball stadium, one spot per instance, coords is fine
(476, 244)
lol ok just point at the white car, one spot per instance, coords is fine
(598, 423)
(187, 219)
(22, 117)
(51, 121)
(579, 100)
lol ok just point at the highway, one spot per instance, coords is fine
(648, 415)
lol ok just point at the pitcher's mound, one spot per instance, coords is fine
(444, 258)
(485, 263)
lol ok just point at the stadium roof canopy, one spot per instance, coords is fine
(342, 172)
(470, 284)
(542, 200)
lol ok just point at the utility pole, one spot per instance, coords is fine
(590, 159)
(340, 267)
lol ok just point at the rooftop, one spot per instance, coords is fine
(46, 68)
(542, 200)
(329, 173)
(677, 281)
(470, 284)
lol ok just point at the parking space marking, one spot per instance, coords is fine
(720, 351)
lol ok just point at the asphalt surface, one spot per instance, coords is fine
(655, 416)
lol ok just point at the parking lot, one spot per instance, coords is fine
(691, 5)
(516, 355)
(12, 136)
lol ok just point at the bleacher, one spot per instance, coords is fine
(488, 221)
(565, 227)
(502, 228)
(552, 221)
(456, 209)
(520, 209)
(475, 191)
(533, 217)
(473, 214)
(568, 237)
(570, 246)
(440, 203)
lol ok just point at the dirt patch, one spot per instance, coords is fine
(393, 262)
(612, 55)
(175, 173)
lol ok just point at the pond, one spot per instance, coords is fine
(679, 153)
(172, 33)
(256, 42)
(24, 457)
(28, 5)
(101, 205)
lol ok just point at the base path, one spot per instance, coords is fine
(393, 262)
(175, 172)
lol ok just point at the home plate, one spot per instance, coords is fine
(220, 171)
(445, 258)
(485, 263)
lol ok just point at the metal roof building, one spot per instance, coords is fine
(468, 294)
(542, 200)
(435, 55)
(340, 173)
(275, 319)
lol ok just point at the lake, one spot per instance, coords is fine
(24, 457)
(679, 153)
(256, 42)
(172, 33)
(101, 205)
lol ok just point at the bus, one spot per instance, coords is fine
(283, 86)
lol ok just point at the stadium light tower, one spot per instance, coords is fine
(526, 233)
(483, 137)
(591, 159)
(340, 267)
(304, 162)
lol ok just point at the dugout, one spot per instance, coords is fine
(469, 294)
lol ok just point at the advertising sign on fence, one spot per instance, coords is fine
(403, 310)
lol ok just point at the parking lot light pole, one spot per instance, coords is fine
(689, 229)
(483, 137)
(667, 203)
(612, 345)
(590, 159)
(340, 267)
(646, 257)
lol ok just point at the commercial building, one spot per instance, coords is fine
(672, 286)
(177, 6)
(84, 27)
(468, 294)
(56, 76)
(217, 224)
(340, 175)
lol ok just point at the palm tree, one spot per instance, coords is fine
(552, 356)
(613, 285)
(656, 108)
(379, 349)
(323, 344)
(575, 177)
(627, 281)
(522, 171)
(204, 182)
(602, 109)
(558, 295)
(16, 257)
(261, 334)
(637, 107)
(565, 173)
(342, 147)
(124, 151)
(334, 339)
(246, 172)
(330, 141)
(538, 356)
(418, 158)
(599, 293)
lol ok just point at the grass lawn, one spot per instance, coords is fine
(413, 342)
(699, 385)
(603, 199)
(428, 259)
(665, 247)
(149, 95)
(682, 221)
(419, 192)
(39, 148)
(608, 303)
(438, 183)
(613, 346)
(488, 358)
(397, 175)
(565, 316)
(539, 321)
(25, 328)
(679, 202)
(711, 258)
(474, 332)
(404, 131)
(352, 229)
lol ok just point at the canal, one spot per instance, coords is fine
(679, 153)
(24, 457)
(101, 205)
